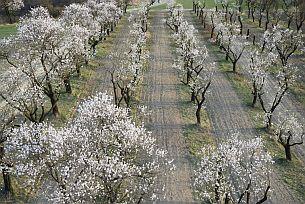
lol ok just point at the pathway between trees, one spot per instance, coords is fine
(227, 114)
(161, 97)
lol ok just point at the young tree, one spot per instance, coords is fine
(100, 156)
(289, 132)
(10, 6)
(284, 41)
(284, 80)
(236, 171)
(199, 87)
(258, 65)
(187, 49)
(233, 45)
(175, 16)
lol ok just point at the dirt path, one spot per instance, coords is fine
(227, 114)
(165, 123)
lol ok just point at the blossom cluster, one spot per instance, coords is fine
(99, 156)
(235, 170)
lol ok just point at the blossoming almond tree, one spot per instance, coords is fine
(284, 80)
(193, 69)
(289, 132)
(236, 171)
(42, 57)
(284, 41)
(233, 45)
(175, 16)
(100, 156)
(257, 68)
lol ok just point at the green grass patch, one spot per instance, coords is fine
(188, 4)
(7, 30)
(159, 7)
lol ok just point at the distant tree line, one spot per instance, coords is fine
(54, 6)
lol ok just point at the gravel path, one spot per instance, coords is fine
(165, 122)
(227, 114)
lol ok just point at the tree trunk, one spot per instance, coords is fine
(288, 152)
(198, 114)
(68, 87)
(269, 122)
(260, 20)
(7, 184)
(234, 66)
(55, 110)
(193, 96)
(188, 76)
(212, 31)
(254, 99)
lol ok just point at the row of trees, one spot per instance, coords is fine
(42, 57)
(237, 170)
(192, 64)
(47, 52)
(277, 47)
(128, 67)
(15, 8)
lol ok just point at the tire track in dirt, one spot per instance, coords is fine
(165, 122)
(227, 113)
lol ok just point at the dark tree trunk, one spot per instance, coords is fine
(254, 99)
(193, 97)
(55, 110)
(68, 87)
(260, 20)
(212, 31)
(7, 184)
(234, 66)
(288, 152)
(269, 121)
(198, 118)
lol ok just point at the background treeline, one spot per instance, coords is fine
(54, 6)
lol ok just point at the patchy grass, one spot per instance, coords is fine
(7, 30)
(159, 7)
(188, 4)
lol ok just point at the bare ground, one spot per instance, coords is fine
(165, 123)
